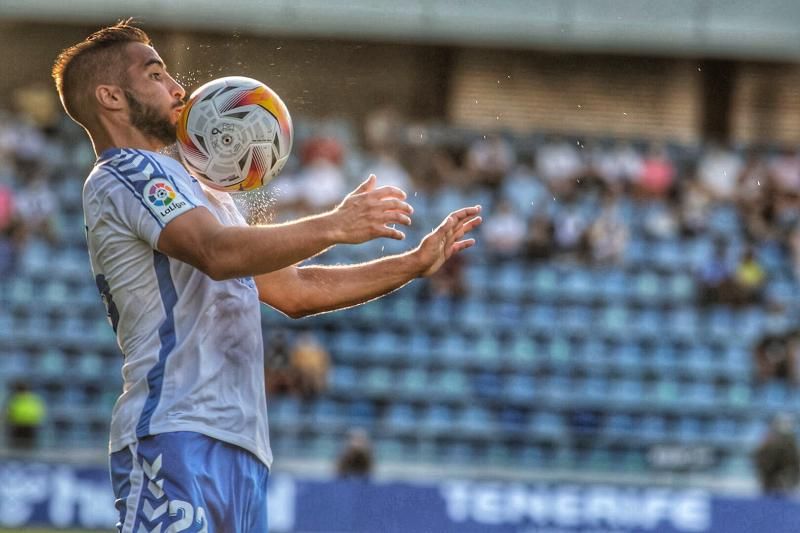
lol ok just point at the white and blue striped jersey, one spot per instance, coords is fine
(192, 346)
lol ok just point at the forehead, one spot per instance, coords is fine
(140, 56)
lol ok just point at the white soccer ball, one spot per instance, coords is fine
(235, 134)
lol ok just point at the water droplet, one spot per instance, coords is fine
(624, 113)
(759, 183)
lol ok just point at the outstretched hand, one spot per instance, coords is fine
(367, 213)
(440, 244)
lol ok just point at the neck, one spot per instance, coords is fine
(112, 134)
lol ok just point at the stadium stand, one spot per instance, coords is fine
(561, 362)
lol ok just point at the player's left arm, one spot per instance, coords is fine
(300, 291)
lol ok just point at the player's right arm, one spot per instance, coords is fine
(224, 252)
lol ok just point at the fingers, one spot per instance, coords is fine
(461, 245)
(466, 212)
(391, 233)
(387, 191)
(395, 217)
(366, 186)
(393, 204)
(466, 226)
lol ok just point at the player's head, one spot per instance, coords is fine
(116, 76)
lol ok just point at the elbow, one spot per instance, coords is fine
(295, 310)
(213, 269)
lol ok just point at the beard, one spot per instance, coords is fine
(150, 121)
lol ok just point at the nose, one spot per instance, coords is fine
(177, 90)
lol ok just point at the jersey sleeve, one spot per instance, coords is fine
(146, 199)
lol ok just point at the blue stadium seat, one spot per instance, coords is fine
(619, 425)
(699, 359)
(418, 346)
(53, 362)
(699, 393)
(545, 283)
(520, 388)
(541, 317)
(626, 392)
(401, 416)
(414, 381)
(487, 385)
(653, 428)
(284, 411)
(343, 378)
(486, 350)
(451, 383)
(722, 428)
(437, 418)
(378, 380)
(547, 425)
(327, 415)
(361, 413)
(476, 421)
(689, 430)
(559, 350)
(381, 346)
(508, 282)
(522, 353)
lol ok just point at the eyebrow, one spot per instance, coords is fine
(154, 61)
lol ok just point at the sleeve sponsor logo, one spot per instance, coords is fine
(164, 200)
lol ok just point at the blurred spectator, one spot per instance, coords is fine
(10, 232)
(490, 160)
(718, 172)
(657, 174)
(695, 207)
(776, 358)
(714, 277)
(279, 377)
(754, 198)
(36, 207)
(539, 239)
(749, 279)
(570, 231)
(25, 414)
(449, 280)
(777, 459)
(560, 165)
(617, 166)
(608, 235)
(356, 459)
(504, 232)
(793, 244)
(785, 171)
(311, 363)
(389, 172)
(661, 220)
(382, 133)
(321, 182)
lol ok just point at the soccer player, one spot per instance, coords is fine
(182, 276)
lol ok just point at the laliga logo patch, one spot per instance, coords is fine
(160, 194)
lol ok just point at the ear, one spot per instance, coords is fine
(110, 97)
